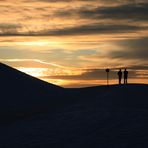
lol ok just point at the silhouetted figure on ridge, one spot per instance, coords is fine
(120, 75)
(125, 76)
(107, 71)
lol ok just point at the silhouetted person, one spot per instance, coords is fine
(125, 76)
(107, 71)
(120, 76)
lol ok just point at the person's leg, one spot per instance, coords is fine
(120, 80)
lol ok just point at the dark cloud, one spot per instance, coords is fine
(99, 1)
(50, 1)
(9, 28)
(79, 30)
(133, 49)
(133, 12)
(96, 29)
(129, 11)
(139, 67)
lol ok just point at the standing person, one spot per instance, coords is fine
(107, 71)
(125, 76)
(120, 75)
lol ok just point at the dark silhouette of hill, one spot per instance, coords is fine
(131, 95)
(114, 116)
(22, 94)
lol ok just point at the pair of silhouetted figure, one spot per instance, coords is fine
(125, 76)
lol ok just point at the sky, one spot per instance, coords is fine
(71, 42)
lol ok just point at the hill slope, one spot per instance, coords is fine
(22, 94)
(115, 116)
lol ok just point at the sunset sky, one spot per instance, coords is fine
(71, 42)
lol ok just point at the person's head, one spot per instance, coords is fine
(120, 69)
(125, 69)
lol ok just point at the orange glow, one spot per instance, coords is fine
(69, 42)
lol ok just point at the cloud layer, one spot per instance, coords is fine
(82, 36)
(85, 17)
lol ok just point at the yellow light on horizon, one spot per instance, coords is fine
(34, 43)
(46, 42)
(36, 72)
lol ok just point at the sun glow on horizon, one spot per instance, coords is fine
(36, 72)
(34, 43)
(41, 43)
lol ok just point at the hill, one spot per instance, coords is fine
(22, 94)
(115, 116)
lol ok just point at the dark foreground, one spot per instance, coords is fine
(97, 117)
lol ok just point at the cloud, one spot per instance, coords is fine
(129, 11)
(96, 29)
(100, 74)
(50, 1)
(96, 1)
(81, 30)
(30, 63)
(65, 73)
(80, 33)
(8, 28)
(133, 49)
(139, 67)
(89, 17)
(91, 74)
